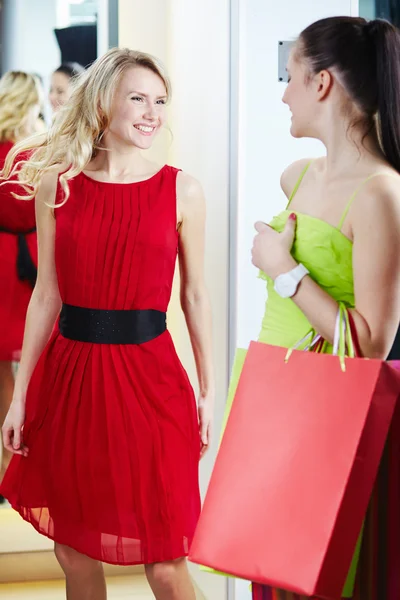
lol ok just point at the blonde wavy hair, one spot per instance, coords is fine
(74, 137)
(19, 93)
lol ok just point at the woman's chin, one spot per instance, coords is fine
(294, 131)
(143, 142)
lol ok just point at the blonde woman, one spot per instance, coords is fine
(20, 100)
(104, 423)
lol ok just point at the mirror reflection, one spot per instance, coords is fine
(62, 42)
(43, 47)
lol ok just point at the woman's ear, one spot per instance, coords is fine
(323, 82)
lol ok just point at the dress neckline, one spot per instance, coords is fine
(157, 174)
(318, 220)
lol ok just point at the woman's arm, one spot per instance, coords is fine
(42, 313)
(194, 296)
(375, 222)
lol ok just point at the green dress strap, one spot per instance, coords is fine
(354, 195)
(298, 182)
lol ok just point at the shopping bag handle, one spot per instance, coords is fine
(354, 335)
(342, 340)
(345, 341)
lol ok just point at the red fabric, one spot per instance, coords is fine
(112, 430)
(305, 440)
(19, 216)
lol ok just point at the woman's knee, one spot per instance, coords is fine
(165, 575)
(73, 562)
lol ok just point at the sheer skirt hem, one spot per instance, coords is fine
(113, 555)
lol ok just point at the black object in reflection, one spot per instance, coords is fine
(26, 268)
(78, 43)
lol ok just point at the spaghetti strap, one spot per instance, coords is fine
(354, 195)
(298, 182)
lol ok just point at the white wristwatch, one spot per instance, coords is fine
(286, 284)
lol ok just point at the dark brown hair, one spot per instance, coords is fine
(70, 69)
(366, 55)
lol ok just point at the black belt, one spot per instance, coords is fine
(98, 326)
(26, 268)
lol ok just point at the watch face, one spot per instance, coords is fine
(285, 286)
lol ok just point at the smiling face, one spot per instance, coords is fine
(138, 109)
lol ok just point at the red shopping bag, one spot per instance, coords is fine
(296, 468)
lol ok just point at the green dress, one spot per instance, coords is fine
(327, 254)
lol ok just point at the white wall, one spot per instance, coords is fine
(265, 145)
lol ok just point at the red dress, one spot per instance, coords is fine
(16, 216)
(112, 430)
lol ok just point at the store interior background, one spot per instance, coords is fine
(231, 131)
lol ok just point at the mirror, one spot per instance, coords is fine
(52, 39)
(63, 31)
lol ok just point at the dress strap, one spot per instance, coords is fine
(298, 182)
(354, 195)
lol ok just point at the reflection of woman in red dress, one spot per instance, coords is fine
(20, 99)
(108, 463)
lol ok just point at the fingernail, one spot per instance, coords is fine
(292, 216)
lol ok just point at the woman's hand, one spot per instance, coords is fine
(206, 414)
(12, 429)
(271, 250)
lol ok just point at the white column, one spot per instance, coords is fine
(102, 27)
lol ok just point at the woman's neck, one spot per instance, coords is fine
(118, 164)
(349, 148)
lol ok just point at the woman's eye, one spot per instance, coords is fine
(140, 99)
